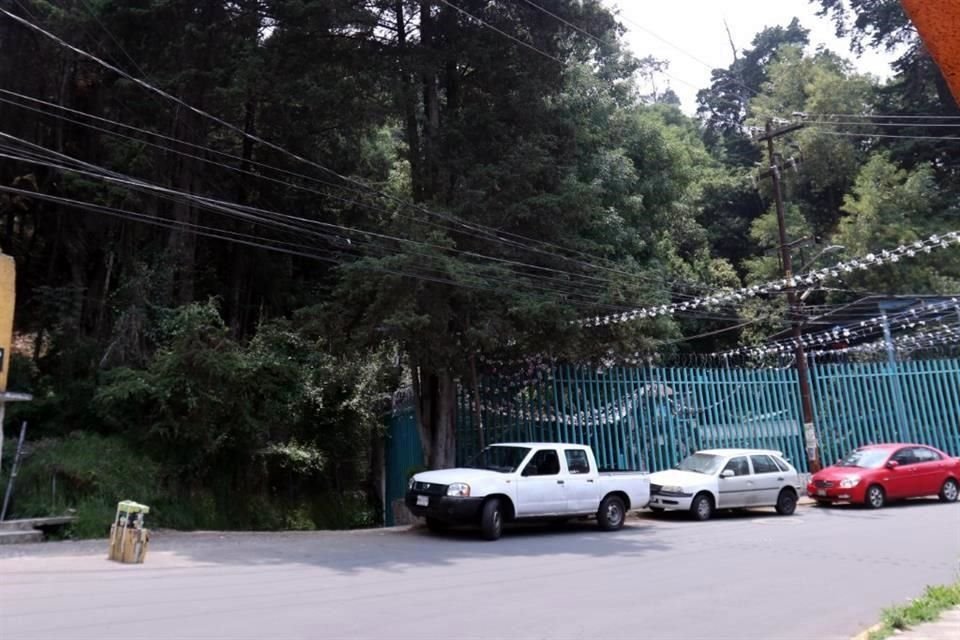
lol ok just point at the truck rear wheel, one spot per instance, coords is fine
(611, 513)
(491, 519)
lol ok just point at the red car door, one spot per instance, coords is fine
(931, 470)
(901, 480)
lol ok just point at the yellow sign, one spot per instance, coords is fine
(8, 271)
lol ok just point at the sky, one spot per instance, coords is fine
(696, 27)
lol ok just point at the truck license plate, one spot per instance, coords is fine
(423, 501)
(821, 492)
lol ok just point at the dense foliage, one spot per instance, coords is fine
(400, 187)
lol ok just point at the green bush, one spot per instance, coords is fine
(210, 431)
(86, 472)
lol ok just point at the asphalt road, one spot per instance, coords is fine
(822, 573)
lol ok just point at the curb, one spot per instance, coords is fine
(863, 635)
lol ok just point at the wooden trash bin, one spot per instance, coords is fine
(129, 539)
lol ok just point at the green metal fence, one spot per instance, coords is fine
(403, 455)
(648, 418)
(861, 403)
(639, 418)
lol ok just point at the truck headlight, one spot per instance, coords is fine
(459, 490)
(410, 483)
(849, 482)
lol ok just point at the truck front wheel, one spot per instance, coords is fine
(491, 519)
(611, 514)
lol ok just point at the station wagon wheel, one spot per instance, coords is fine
(875, 496)
(786, 502)
(950, 491)
(611, 513)
(702, 507)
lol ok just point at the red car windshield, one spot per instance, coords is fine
(865, 458)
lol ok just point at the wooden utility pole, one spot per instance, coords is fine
(806, 402)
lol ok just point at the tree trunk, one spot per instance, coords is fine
(408, 105)
(435, 401)
(477, 415)
(431, 104)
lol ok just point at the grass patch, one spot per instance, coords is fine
(926, 608)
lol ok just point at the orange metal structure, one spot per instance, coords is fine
(938, 22)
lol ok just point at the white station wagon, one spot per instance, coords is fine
(727, 479)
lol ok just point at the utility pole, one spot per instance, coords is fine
(806, 402)
(895, 377)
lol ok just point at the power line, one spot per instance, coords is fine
(670, 44)
(258, 139)
(128, 181)
(908, 318)
(846, 134)
(487, 231)
(693, 57)
(287, 184)
(596, 38)
(899, 125)
(504, 33)
(223, 234)
(471, 226)
(884, 116)
(869, 261)
(707, 334)
(93, 14)
(256, 215)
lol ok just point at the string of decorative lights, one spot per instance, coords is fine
(865, 328)
(946, 334)
(869, 261)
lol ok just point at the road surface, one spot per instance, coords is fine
(822, 573)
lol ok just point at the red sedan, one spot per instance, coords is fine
(874, 474)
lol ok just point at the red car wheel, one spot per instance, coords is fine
(875, 496)
(950, 490)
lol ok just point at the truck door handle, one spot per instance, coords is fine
(559, 481)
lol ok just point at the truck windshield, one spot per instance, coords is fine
(499, 458)
(701, 463)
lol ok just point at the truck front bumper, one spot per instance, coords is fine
(445, 508)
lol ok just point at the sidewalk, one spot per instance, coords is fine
(946, 628)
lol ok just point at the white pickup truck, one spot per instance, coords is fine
(532, 480)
